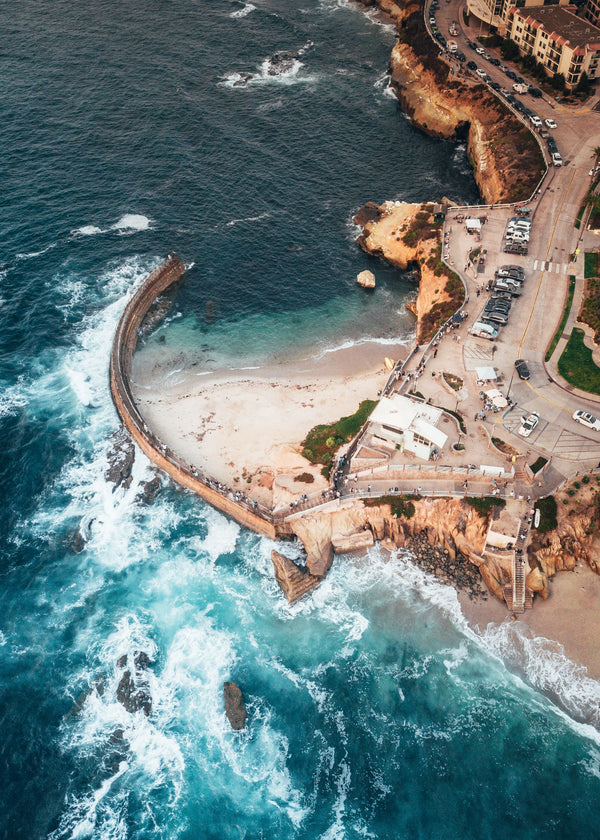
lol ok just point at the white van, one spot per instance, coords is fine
(556, 159)
(482, 330)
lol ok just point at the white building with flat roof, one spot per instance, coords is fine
(408, 425)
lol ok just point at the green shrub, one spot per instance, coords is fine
(548, 509)
(305, 477)
(577, 365)
(324, 440)
(484, 505)
(401, 506)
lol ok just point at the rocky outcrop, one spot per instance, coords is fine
(406, 235)
(294, 581)
(449, 524)
(506, 159)
(133, 690)
(575, 539)
(235, 708)
(149, 490)
(121, 456)
(366, 279)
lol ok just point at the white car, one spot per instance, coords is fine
(587, 419)
(481, 73)
(550, 123)
(528, 424)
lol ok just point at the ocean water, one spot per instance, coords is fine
(130, 130)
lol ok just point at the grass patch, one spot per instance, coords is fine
(547, 508)
(538, 465)
(577, 366)
(401, 506)
(580, 216)
(590, 264)
(504, 447)
(322, 442)
(563, 320)
(590, 310)
(455, 382)
(484, 505)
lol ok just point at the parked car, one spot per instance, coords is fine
(501, 296)
(535, 92)
(511, 75)
(481, 72)
(528, 424)
(494, 85)
(587, 419)
(461, 56)
(495, 318)
(519, 87)
(508, 286)
(522, 369)
(471, 65)
(472, 45)
(535, 121)
(557, 159)
(551, 123)
(495, 61)
(482, 330)
(507, 270)
(480, 50)
(432, 20)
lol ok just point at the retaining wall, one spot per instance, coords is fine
(124, 345)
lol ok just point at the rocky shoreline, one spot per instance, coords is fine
(435, 560)
(507, 161)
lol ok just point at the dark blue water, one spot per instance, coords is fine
(129, 130)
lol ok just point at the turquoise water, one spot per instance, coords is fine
(373, 710)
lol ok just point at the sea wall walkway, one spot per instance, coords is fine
(244, 511)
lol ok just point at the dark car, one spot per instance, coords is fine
(471, 65)
(510, 98)
(472, 45)
(520, 80)
(460, 56)
(522, 369)
(494, 85)
(535, 92)
(495, 62)
(511, 75)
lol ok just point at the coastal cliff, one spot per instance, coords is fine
(507, 161)
(406, 235)
(574, 539)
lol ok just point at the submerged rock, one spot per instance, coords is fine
(281, 62)
(120, 459)
(133, 691)
(235, 708)
(149, 490)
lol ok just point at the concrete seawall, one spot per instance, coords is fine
(124, 346)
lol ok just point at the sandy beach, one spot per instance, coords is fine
(244, 427)
(570, 616)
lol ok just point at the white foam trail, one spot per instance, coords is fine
(32, 254)
(248, 219)
(346, 345)
(131, 222)
(242, 13)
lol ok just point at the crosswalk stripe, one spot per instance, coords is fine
(557, 268)
(535, 265)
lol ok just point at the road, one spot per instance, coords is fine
(535, 316)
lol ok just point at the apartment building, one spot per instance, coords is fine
(558, 39)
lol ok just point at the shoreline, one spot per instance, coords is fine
(244, 427)
(569, 617)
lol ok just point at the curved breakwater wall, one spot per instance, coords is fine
(125, 342)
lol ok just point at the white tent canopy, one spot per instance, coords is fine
(473, 224)
(497, 397)
(486, 373)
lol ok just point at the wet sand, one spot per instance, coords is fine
(570, 616)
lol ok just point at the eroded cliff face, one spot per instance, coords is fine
(576, 538)
(405, 234)
(449, 523)
(506, 159)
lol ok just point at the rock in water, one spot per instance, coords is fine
(133, 691)
(120, 459)
(293, 579)
(235, 708)
(366, 279)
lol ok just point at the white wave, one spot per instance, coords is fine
(336, 830)
(271, 72)
(132, 222)
(88, 230)
(346, 345)
(241, 13)
(545, 665)
(248, 219)
(32, 254)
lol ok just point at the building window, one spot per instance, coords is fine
(420, 439)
